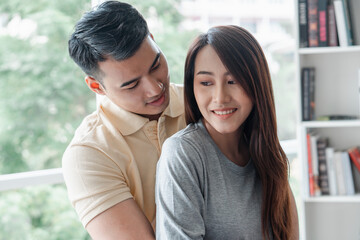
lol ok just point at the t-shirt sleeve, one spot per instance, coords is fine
(94, 182)
(179, 198)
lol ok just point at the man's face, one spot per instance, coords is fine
(139, 84)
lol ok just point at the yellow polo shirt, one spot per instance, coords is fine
(113, 157)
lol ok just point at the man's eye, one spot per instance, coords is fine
(205, 83)
(134, 86)
(155, 67)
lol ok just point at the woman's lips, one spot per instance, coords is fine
(224, 113)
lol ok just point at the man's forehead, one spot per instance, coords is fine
(146, 53)
(133, 67)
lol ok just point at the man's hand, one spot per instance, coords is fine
(125, 220)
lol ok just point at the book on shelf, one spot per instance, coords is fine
(343, 23)
(323, 22)
(348, 176)
(331, 24)
(329, 151)
(313, 23)
(359, 89)
(308, 93)
(303, 24)
(356, 176)
(328, 23)
(321, 145)
(338, 173)
(354, 7)
(340, 176)
(310, 166)
(313, 172)
(315, 163)
(354, 154)
(312, 93)
(336, 117)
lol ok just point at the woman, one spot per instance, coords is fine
(225, 176)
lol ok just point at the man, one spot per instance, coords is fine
(109, 167)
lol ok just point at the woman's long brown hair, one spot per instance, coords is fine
(242, 55)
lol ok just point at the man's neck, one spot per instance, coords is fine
(152, 117)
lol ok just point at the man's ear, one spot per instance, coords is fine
(152, 36)
(94, 85)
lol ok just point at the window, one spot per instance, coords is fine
(42, 102)
(44, 97)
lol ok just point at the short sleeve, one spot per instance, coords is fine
(179, 198)
(94, 182)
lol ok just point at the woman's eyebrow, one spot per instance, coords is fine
(205, 72)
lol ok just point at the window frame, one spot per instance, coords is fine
(51, 176)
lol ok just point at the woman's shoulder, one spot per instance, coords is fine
(192, 135)
(186, 145)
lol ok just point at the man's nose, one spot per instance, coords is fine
(153, 86)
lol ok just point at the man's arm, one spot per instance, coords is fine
(125, 220)
(95, 182)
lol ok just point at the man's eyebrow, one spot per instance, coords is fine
(155, 60)
(136, 79)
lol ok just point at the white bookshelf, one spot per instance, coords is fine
(333, 199)
(337, 83)
(324, 50)
(330, 124)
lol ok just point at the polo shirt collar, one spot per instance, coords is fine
(176, 105)
(128, 123)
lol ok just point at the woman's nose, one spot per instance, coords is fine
(221, 95)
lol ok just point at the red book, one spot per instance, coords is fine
(323, 23)
(310, 170)
(354, 154)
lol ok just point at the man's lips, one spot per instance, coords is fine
(158, 101)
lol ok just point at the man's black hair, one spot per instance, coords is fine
(112, 30)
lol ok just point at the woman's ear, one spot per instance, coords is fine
(94, 85)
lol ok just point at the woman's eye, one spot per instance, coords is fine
(205, 83)
(231, 82)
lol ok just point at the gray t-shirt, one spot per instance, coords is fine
(201, 194)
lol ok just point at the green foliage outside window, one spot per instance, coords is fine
(44, 97)
(39, 213)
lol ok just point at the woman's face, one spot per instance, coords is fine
(221, 99)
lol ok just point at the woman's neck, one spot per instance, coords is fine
(232, 145)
